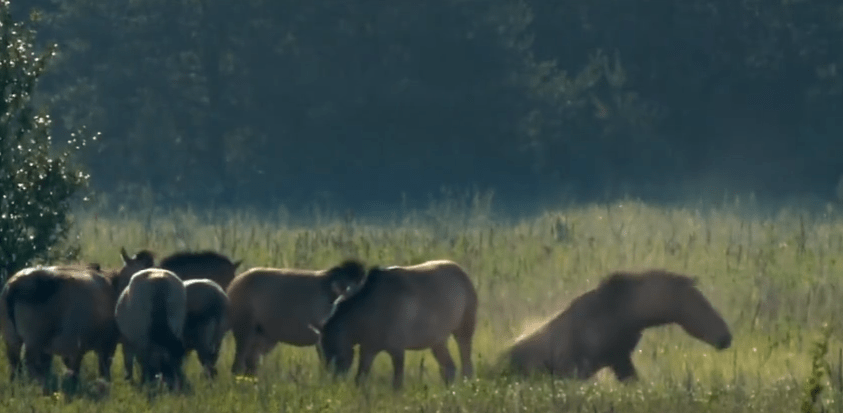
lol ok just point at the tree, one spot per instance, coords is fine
(265, 102)
(37, 180)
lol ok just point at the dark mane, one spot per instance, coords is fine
(618, 283)
(146, 256)
(351, 266)
(374, 277)
(191, 257)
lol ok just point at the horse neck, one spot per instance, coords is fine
(326, 288)
(647, 312)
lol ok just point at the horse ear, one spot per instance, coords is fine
(236, 264)
(124, 255)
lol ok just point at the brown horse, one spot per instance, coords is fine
(206, 322)
(191, 265)
(187, 265)
(61, 310)
(151, 314)
(399, 309)
(269, 305)
(602, 327)
(205, 325)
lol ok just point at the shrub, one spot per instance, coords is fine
(37, 180)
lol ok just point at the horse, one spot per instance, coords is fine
(403, 308)
(151, 315)
(602, 327)
(272, 305)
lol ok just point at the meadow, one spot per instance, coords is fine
(776, 278)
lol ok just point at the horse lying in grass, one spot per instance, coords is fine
(399, 309)
(602, 327)
(151, 314)
(272, 305)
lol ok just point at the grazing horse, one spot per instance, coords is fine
(151, 314)
(61, 310)
(206, 322)
(205, 325)
(191, 265)
(210, 265)
(272, 305)
(187, 266)
(602, 327)
(399, 309)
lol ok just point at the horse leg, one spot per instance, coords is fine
(104, 359)
(586, 368)
(38, 364)
(13, 356)
(208, 359)
(259, 348)
(150, 365)
(170, 372)
(623, 368)
(398, 368)
(128, 362)
(367, 356)
(175, 362)
(464, 336)
(105, 356)
(73, 364)
(181, 379)
(244, 346)
(447, 368)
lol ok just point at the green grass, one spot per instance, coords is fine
(777, 281)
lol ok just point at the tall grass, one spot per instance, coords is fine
(776, 279)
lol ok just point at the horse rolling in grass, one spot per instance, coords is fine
(603, 326)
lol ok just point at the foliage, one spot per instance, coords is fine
(308, 97)
(36, 184)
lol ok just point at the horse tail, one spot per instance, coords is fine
(35, 288)
(160, 331)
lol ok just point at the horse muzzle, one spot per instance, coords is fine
(724, 342)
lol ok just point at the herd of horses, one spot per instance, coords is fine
(187, 302)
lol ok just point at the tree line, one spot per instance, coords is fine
(260, 102)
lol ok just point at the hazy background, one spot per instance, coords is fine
(365, 105)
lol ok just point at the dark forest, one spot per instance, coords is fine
(260, 103)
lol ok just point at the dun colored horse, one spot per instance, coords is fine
(206, 322)
(192, 265)
(269, 305)
(602, 327)
(61, 310)
(151, 314)
(399, 309)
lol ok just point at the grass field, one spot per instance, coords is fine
(776, 280)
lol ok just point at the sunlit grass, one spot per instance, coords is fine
(776, 280)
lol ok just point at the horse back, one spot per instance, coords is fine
(427, 300)
(60, 304)
(207, 264)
